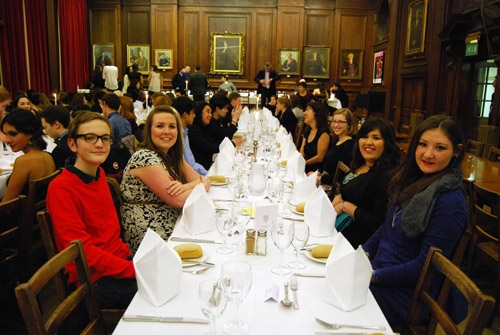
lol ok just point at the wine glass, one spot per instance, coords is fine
(242, 213)
(213, 301)
(274, 190)
(282, 234)
(236, 277)
(299, 241)
(224, 222)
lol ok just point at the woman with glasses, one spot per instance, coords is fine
(363, 192)
(343, 129)
(157, 180)
(316, 136)
(24, 132)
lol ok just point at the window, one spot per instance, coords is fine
(486, 74)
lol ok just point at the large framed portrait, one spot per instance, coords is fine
(316, 62)
(289, 62)
(101, 52)
(351, 64)
(227, 51)
(415, 33)
(139, 54)
(164, 59)
(378, 67)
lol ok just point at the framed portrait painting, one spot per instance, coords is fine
(378, 67)
(139, 54)
(227, 51)
(101, 52)
(351, 64)
(316, 62)
(289, 62)
(164, 59)
(417, 21)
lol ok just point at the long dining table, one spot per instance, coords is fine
(265, 316)
(485, 173)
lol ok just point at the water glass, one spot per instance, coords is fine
(224, 223)
(282, 234)
(242, 213)
(236, 277)
(299, 241)
(213, 301)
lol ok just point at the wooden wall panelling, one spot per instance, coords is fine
(290, 36)
(262, 46)
(193, 44)
(164, 35)
(105, 28)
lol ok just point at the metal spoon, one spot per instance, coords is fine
(286, 302)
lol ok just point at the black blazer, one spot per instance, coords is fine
(262, 75)
(178, 81)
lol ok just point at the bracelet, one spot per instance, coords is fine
(234, 122)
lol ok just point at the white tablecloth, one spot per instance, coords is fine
(6, 161)
(335, 103)
(265, 317)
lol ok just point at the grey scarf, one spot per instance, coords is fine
(417, 212)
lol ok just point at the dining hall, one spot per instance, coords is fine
(249, 166)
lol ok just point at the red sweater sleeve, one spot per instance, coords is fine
(86, 211)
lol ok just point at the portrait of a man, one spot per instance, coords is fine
(227, 53)
(289, 62)
(351, 64)
(316, 62)
(139, 55)
(415, 36)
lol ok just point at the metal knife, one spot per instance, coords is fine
(166, 319)
(194, 240)
(332, 333)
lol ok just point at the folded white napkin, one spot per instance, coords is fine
(348, 274)
(288, 146)
(223, 164)
(158, 269)
(244, 118)
(303, 187)
(295, 167)
(227, 147)
(319, 213)
(199, 212)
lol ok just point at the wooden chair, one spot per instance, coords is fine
(12, 250)
(116, 194)
(340, 173)
(494, 154)
(111, 317)
(486, 231)
(424, 301)
(37, 193)
(475, 147)
(298, 135)
(83, 296)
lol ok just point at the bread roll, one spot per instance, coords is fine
(189, 250)
(321, 251)
(284, 162)
(217, 178)
(300, 207)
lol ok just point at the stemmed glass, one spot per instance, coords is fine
(242, 213)
(274, 190)
(236, 277)
(224, 222)
(212, 300)
(299, 241)
(282, 234)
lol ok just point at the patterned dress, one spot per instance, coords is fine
(142, 208)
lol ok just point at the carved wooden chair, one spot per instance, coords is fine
(475, 147)
(494, 154)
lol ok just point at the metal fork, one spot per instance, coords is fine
(294, 286)
(195, 272)
(338, 326)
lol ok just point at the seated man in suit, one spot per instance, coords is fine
(80, 206)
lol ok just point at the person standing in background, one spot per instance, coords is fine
(198, 84)
(154, 80)
(266, 80)
(110, 75)
(178, 80)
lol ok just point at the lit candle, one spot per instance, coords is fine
(186, 86)
(147, 104)
(55, 99)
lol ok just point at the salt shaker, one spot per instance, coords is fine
(262, 242)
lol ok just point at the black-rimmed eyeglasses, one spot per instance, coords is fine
(92, 138)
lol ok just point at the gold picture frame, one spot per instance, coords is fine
(101, 52)
(289, 62)
(227, 51)
(164, 59)
(316, 62)
(415, 32)
(139, 54)
(351, 64)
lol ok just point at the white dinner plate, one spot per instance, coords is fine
(218, 183)
(309, 255)
(295, 211)
(192, 261)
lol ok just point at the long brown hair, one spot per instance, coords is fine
(174, 158)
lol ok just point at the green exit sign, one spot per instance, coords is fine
(471, 49)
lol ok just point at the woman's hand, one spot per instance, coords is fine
(175, 188)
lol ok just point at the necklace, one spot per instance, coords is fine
(351, 175)
(396, 212)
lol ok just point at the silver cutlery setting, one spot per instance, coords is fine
(338, 325)
(198, 271)
(165, 319)
(193, 240)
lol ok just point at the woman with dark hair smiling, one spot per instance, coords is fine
(363, 193)
(24, 132)
(202, 144)
(157, 180)
(427, 209)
